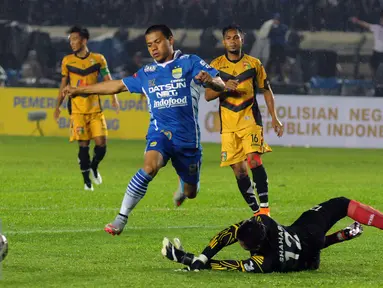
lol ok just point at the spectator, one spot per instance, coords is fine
(249, 41)
(3, 77)
(377, 30)
(208, 43)
(277, 36)
(292, 69)
(261, 49)
(293, 41)
(31, 70)
(119, 48)
(134, 65)
(195, 15)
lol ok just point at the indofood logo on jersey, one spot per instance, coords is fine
(167, 90)
(170, 102)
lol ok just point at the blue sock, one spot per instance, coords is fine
(135, 192)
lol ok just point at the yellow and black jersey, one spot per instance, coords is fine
(239, 109)
(82, 72)
(279, 248)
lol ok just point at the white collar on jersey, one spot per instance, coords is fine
(177, 54)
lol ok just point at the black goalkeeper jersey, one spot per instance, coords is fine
(281, 247)
(282, 250)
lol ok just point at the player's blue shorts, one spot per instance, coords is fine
(186, 161)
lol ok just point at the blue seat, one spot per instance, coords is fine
(325, 86)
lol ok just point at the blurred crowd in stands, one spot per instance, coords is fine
(311, 15)
(29, 57)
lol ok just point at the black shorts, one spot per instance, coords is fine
(376, 59)
(277, 53)
(312, 226)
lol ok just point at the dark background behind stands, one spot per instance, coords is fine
(313, 15)
(26, 52)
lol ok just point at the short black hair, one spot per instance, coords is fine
(252, 233)
(162, 28)
(82, 31)
(232, 27)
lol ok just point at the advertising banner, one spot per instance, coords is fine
(317, 121)
(29, 111)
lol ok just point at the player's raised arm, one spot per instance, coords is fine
(216, 84)
(230, 85)
(115, 103)
(102, 88)
(213, 83)
(361, 23)
(206, 75)
(210, 94)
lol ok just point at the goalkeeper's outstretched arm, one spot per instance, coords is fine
(228, 236)
(224, 238)
(255, 264)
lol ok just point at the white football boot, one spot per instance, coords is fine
(96, 179)
(88, 188)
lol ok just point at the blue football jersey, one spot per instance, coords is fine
(173, 95)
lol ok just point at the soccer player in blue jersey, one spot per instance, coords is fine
(170, 84)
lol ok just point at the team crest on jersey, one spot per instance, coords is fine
(177, 72)
(153, 144)
(80, 130)
(150, 68)
(246, 65)
(223, 156)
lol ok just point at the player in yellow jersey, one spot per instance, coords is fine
(241, 121)
(87, 120)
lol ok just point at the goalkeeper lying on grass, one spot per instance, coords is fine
(277, 248)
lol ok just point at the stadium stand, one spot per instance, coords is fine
(344, 46)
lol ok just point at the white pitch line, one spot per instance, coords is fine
(160, 209)
(63, 209)
(64, 231)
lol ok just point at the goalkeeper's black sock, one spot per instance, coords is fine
(244, 185)
(261, 184)
(84, 161)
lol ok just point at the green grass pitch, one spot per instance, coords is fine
(55, 229)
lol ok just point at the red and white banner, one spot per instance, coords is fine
(316, 121)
